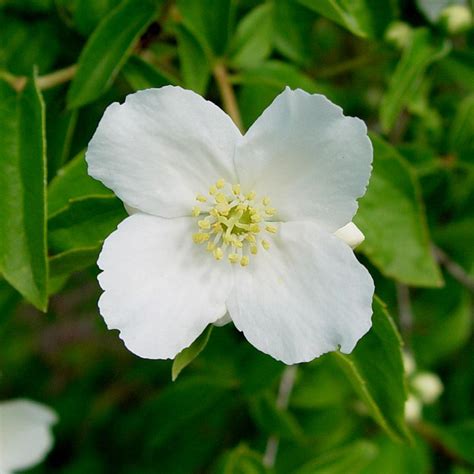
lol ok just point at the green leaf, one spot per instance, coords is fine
(241, 460)
(84, 223)
(375, 369)
(410, 70)
(108, 48)
(274, 420)
(186, 356)
(195, 67)
(73, 260)
(210, 22)
(461, 133)
(391, 216)
(365, 18)
(23, 247)
(89, 13)
(352, 458)
(140, 74)
(252, 41)
(72, 181)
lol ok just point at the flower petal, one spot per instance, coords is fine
(311, 160)
(160, 289)
(161, 147)
(306, 296)
(25, 433)
(351, 235)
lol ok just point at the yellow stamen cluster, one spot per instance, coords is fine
(230, 222)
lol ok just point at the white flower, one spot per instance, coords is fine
(25, 434)
(233, 225)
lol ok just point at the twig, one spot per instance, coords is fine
(454, 269)
(284, 392)
(229, 101)
(44, 82)
(404, 308)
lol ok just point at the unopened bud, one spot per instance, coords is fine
(456, 19)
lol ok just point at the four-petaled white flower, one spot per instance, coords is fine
(253, 228)
(25, 434)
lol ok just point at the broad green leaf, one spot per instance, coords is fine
(23, 247)
(410, 70)
(186, 356)
(210, 22)
(252, 41)
(461, 133)
(274, 420)
(292, 32)
(375, 369)
(60, 128)
(108, 48)
(84, 223)
(195, 67)
(72, 181)
(443, 319)
(241, 460)
(365, 18)
(459, 439)
(458, 66)
(140, 74)
(18, 53)
(352, 458)
(89, 13)
(73, 260)
(391, 216)
(398, 458)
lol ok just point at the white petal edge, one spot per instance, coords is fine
(25, 433)
(351, 235)
(161, 147)
(307, 295)
(160, 289)
(311, 160)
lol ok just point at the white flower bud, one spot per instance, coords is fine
(409, 363)
(412, 409)
(456, 19)
(399, 34)
(428, 386)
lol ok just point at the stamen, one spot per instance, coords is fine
(232, 222)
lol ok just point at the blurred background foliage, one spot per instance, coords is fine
(407, 69)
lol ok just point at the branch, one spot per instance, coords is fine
(454, 269)
(226, 91)
(284, 392)
(44, 82)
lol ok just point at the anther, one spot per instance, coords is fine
(271, 228)
(220, 183)
(196, 211)
(266, 201)
(212, 190)
(220, 198)
(270, 211)
(244, 261)
(201, 198)
(251, 195)
(236, 189)
(204, 224)
(233, 258)
(218, 253)
(265, 244)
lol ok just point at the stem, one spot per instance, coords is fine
(404, 308)
(284, 392)
(454, 269)
(44, 82)
(227, 94)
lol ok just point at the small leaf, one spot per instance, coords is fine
(365, 18)
(195, 65)
(85, 222)
(108, 48)
(72, 181)
(461, 133)
(140, 74)
(241, 460)
(420, 53)
(253, 39)
(23, 247)
(392, 218)
(73, 260)
(375, 369)
(352, 458)
(186, 356)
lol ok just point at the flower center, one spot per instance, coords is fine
(231, 222)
